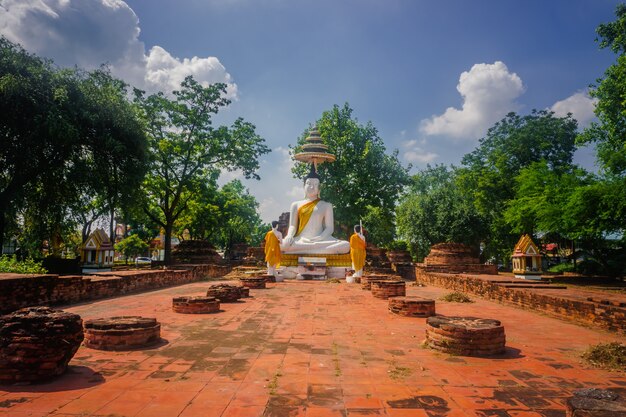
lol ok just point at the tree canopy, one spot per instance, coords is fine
(184, 148)
(435, 210)
(362, 175)
(67, 136)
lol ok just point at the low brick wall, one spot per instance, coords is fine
(608, 317)
(18, 291)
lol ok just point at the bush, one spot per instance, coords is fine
(10, 264)
(398, 245)
(607, 355)
(456, 297)
(560, 268)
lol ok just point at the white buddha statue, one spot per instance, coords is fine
(311, 224)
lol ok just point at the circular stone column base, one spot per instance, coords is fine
(366, 280)
(388, 288)
(466, 336)
(594, 402)
(37, 343)
(267, 277)
(255, 283)
(226, 293)
(412, 306)
(195, 305)
(122, 333)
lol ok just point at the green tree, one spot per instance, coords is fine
(435, 210)
(39, 108)
(363, 174)
(608, 133)
(239, 220)
(488, 173)
(184, 146)
(131, 246)
(67, 137)
(379, 225)
(544, 201)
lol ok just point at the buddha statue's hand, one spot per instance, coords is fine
(288, 241)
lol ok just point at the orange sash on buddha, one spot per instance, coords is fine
(304, 214)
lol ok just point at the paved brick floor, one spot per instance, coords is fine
(315, 349)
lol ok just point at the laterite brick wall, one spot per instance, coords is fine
(17, 291)
(605, 316)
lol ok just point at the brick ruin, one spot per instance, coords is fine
(454, 258)
(591, 311)
(195, 252)
(18, 291)
(410, 306)
(195, 305)
(388, 288)
(226, 293)
(467, 336)
(594, 402)
(37, 343)
(254, 283)
(122, 333)
(268, 278)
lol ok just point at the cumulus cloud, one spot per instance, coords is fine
(579, 104)
(95, 32)
(488, 91)
(414, 153)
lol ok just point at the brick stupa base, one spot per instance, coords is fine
(412, 306)
(388, 288)
(366, 280)
(122, 333)
(467, 336)
(37, 343)
(226, 293)
(195, 305)
(268, 277)
(254, 283)
(593, 402)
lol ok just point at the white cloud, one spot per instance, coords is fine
(489, 92)
(580, 105)
(95, 32)
(296, 192)
(412, 152)
(287, 162)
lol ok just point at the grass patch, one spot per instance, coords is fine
(336, 359)
(333, 281)
(274, 383)
(397, 372)
(456, 297)
(610, 356)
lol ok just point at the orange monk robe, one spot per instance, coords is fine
(304, 214)
(357, 251)
(272, 249)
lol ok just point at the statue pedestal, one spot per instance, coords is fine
(311, 268)
(315, 266)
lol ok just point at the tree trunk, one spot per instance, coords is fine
(2, 227)
(574, 252)
(112, 225)
(168, 243)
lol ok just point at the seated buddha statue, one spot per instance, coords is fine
(311, 224)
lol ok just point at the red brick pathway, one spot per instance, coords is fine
(315, 349)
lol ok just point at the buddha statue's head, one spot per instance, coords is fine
(312, 185)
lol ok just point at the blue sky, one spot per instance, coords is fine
(432, 76)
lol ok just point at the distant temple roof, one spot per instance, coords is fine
(525, 247)
(98, 240)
